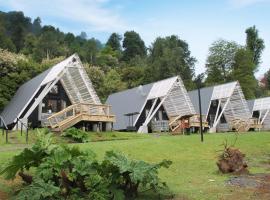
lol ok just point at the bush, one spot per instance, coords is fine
(63, 172)
(76, 134)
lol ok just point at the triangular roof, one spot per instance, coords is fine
(133, 100)
(237, 106)
(259, 104)
(73, 78)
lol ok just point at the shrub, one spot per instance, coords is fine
(76, 134)
(63, 172)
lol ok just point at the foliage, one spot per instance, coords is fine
(171, 56)
(220, 61)
(114, 42)
(254, 44)
(38, 190)
(76, 134)
(243, 72)
(113, 82)
(129, 175)
(29, 157)
(133, 46)
(63, 172)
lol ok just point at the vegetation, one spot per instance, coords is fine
(63, 172)
(193, 174)
(28, 48)
(77, 135)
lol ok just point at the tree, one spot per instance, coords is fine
(89, 50)
(219, 64)
(5, 41)
(83, 35)
(243, 71)
(17, 26)
(254, 44)
(107, 58)
(97, 77)
(112, 83)
(114, 42)
(133, 46)
(170, 56)
(36, 27)
(47, 45)
(15, 70)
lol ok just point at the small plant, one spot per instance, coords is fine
(130, 175)
(76, 134)
(29, 158)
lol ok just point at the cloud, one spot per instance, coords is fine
(94, 15)
(245, 3)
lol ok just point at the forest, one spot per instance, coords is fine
(27, 48)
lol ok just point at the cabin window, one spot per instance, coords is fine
(54, 89)
(52, 106)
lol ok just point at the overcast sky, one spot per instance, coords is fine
(199, 22)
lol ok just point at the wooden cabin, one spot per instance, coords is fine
(224, 107)
(156, 107)
(260, 113)
(60, 97)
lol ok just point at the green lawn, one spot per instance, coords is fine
(193, 174)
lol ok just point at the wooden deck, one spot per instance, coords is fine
(178, 123)
(80, 112)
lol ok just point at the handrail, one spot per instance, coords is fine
(4, 123)
(63, 111)
(22, 123)
(175, 119)
(75, 105)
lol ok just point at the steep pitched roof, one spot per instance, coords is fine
(73, 78)
(133, 100)
(23, 95)
(126, 102)
(206, 95)
(260, 104)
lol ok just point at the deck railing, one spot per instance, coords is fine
(79, 109)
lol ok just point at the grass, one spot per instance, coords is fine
(193, 174)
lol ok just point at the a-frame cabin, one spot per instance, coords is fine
(224, 107)
(60, 97)
(155, 107)
(260, 112)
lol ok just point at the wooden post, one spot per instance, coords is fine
(21, 128)
(27, 135)
(6, 135)
(200, 109)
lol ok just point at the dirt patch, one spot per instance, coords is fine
(232, 161)
(258, 183)
(3, 195)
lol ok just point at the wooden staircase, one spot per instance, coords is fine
(178, 123)
(75, 113)
(241, 125)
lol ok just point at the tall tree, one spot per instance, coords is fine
(219, 64)
(47, 45)
(114, 42)
(36, 27)
(168, 57)
(244, 72)
(133, 46)
(112, 83)
(5, 41)
(254, 44)
(83, 35)
(17, 26)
